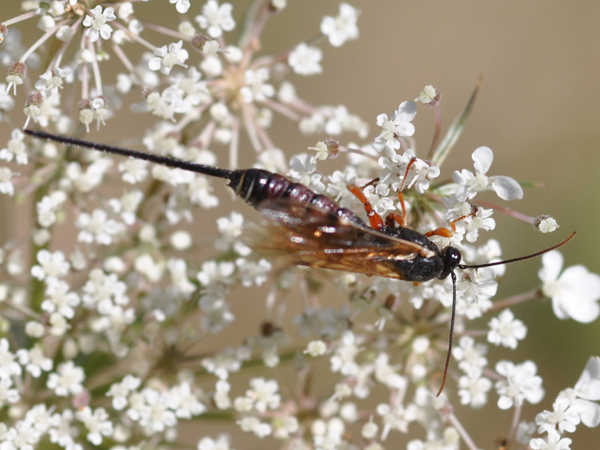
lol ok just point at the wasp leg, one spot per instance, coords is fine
(374, 219)
(392, 218)
(403, 222)
(445, 232)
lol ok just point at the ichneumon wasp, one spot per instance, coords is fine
(312, 230)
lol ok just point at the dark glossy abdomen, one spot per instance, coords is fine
(257, 185)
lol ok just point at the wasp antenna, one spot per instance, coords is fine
(165, 161)
(453, 275)
(507, 261)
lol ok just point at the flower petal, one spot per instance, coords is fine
(558, 310)
(482, 158)
(588, 385)
(588, 411)
(506, 188)
(581, 282)
(406, 111)
(552, 263)
(581, 310)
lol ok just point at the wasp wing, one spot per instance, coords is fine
(299, 234)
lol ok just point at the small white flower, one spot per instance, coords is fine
(545, 224)
(561, 418)
(521, 384)
(469, 184)
(96, 227)
(586, 391)
(6, 185)
(475, 292)
(388, 374)
(216, 19)
(185, 402)
(62, 431)
(263, 394)
(179, 280)
(253, 424)
(134, 170)
(398, 125)
(421, 173)
(222, 442)
(302, 166)
(574, 293)
(552, 442)
(167, 57)
(427, 95)
(214, 273)
(8, 365)
(40, 416)
(59, 298)
(338, 187)
(127, 205)
(23, 436)
(257, 89)
(153, 270)
(52, 80)
(58, 324)
(97, 24)
(230, 229)
(157, 416)
(473, 390)
(505, 330)
(378, 197)
(51, 265)
(97, 423)
(120, 391)
(482, 220)
(316, 348)
(221, 396)
(15, 148)
(200, 192)
(343, 358)
(8, 395)
(341, 28)
(67, 379)
(305, 60)
(253, 273)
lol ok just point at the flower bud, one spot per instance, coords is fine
(86, 115)
(429, 95)
(199, 41)
(16, 75)
(545, 224)
(33, 107)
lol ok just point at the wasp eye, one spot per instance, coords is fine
(451, 257)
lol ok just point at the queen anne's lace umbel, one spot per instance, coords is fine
(108, 327)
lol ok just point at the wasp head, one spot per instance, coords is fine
(451, 257)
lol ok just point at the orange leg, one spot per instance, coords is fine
(409, 165)
(374, 219)
(394, 217)
(403, 206)
(444, 232)
(400, 196)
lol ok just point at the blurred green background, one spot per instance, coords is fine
(538, 109)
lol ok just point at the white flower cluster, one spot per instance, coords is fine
(108, 333)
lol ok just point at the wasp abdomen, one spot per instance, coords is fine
(257, 185)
